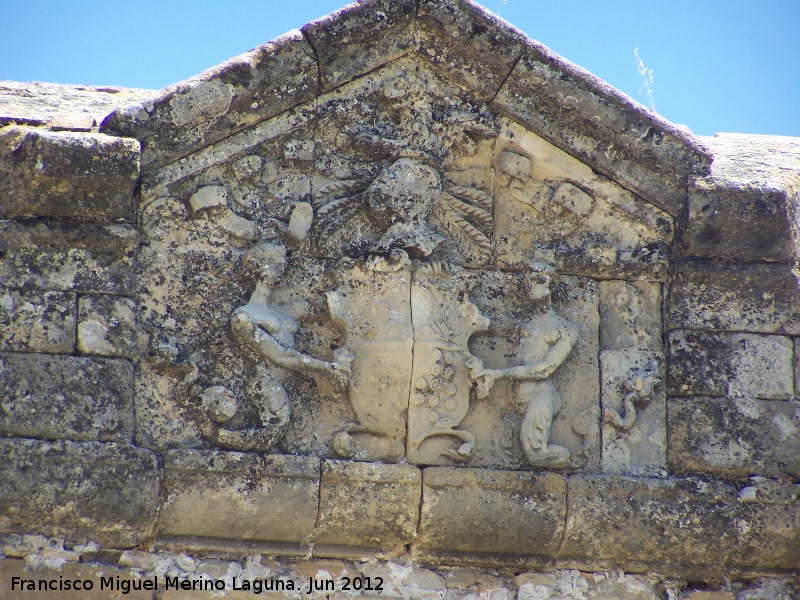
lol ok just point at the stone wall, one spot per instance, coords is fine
(191, 300)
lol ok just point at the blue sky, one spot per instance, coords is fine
(718, 65)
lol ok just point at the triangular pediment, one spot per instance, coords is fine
(514, 76)
(407, 158)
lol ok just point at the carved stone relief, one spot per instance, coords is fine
(392, 273)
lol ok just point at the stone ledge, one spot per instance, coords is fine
(37, 321)
(66, 397)
(634, 524)
(38, 103)
(61, 174)
(246, 89)
(734, 437)
(233, 500)
(68, 255)
(734, 296)
(741, 220)
(683, 527)
(366, 509)
(105, 492)
(490, 518)
(768, 517)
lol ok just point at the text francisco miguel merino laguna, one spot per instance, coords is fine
(256, 586)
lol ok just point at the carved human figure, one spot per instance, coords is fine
(545, 341)
(269, 329)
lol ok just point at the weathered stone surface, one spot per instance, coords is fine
(476, 581)
(599, 125)
(682, 525)
(34, 321)
(482, 517)
(64, 255)
(635, 442)
(228, 595)
(699, 363)
(101, 557)
(404, 121)
(588, 586)
(107, 326)
(468, 43)
(734, 436)
(72, 122)
(762, 366)
(767, 519)
(716, 595)
(551, 207)
(37, 103)
(66, 397)
(745, 157)
(105, 492)
(741, 221)
(797, 367)
(60, 174)
(360, 37)
(239, 500)
(747, 208)
(74, 575)
(367, 509)
(246, 89)
(737, 364)
(760, 298)
(630, 315)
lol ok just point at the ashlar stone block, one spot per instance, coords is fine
(34, 321)
(767, 518)
(732, 436)
(63, 174)
(234, 500)
(107, 326)
(107, 493)
(682, 525)
(630, 315)
(634, 412)
(66, 397)
(740, 221)
(483, 517)
(762, 366)
(68, 256)
(367, 509)
(699, 363)
(734, 296)
(738, 364)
